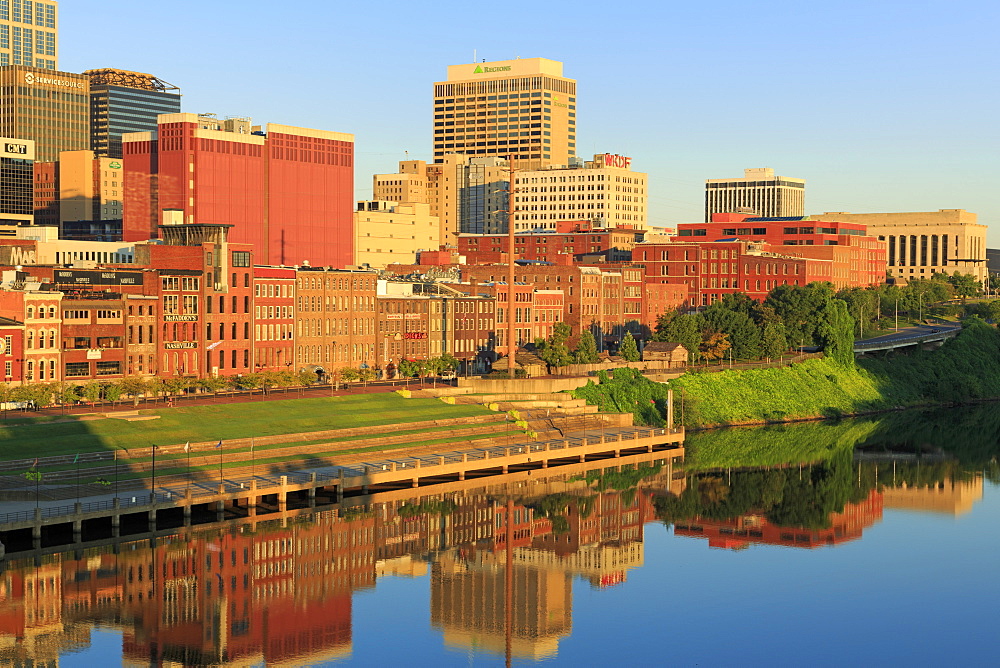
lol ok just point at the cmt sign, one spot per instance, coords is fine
(614, 160)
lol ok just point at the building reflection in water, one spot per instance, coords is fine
(278, 591)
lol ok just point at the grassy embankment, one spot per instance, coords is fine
(39, 437)
(964, 369)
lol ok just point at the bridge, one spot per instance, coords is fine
(925, 336)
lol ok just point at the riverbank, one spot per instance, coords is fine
(965, 369)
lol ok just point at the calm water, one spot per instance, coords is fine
(863, 542)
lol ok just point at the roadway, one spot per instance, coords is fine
(908, 335)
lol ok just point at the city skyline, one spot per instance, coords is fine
(861, 110)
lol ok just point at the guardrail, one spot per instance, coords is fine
(337, 474)
(916, 338)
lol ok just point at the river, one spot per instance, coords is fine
(867, 541)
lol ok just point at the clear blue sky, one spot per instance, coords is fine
(881, 106)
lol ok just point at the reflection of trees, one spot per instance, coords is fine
(795, 496)
(970, 433)
(554, 507)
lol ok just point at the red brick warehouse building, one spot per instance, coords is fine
(287, 191)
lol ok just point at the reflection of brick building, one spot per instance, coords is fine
(740, 532)
(277, 595)
(952, 497)
(467, 605)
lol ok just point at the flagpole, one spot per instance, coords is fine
(253, 461)
(153, 491)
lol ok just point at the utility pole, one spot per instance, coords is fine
(511, 331)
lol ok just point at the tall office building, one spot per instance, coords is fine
(468, 194)
(123, 101)
(16, 190)
(50, 108)
(287, 191)
(522, 108)
(759, 192)
(82, 195)
(604, 191)
(29, 33)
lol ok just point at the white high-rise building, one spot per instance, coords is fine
(759, 192)
(605, 191)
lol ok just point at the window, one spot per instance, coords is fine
(190, 283)
(110, 315)
(108, 368)
(77, 342)
(191, 304)
(76, 315)
(171, 283)
(77, 369)
(170, 304)
(241, 259)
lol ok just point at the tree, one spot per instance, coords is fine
(863, 305)
(799, 308)
(741, 331)
(65, 393)
(248, 381)
(176, 385)
(586, 349)
(663, 323)
(965, 285)
(449, 362)
(112, 391)
(365, 375)
(836, 332)
(212, 383)
(134, 386)
(554, 350)
(408, 368)
(349, 373)
(684, 329)
(715, 346)
(628, 349)
(990, 311)
(774, 340)
(92, 391)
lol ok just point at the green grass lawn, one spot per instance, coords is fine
(43, 437)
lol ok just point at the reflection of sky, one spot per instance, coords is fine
(105, 650)
(917, 588)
